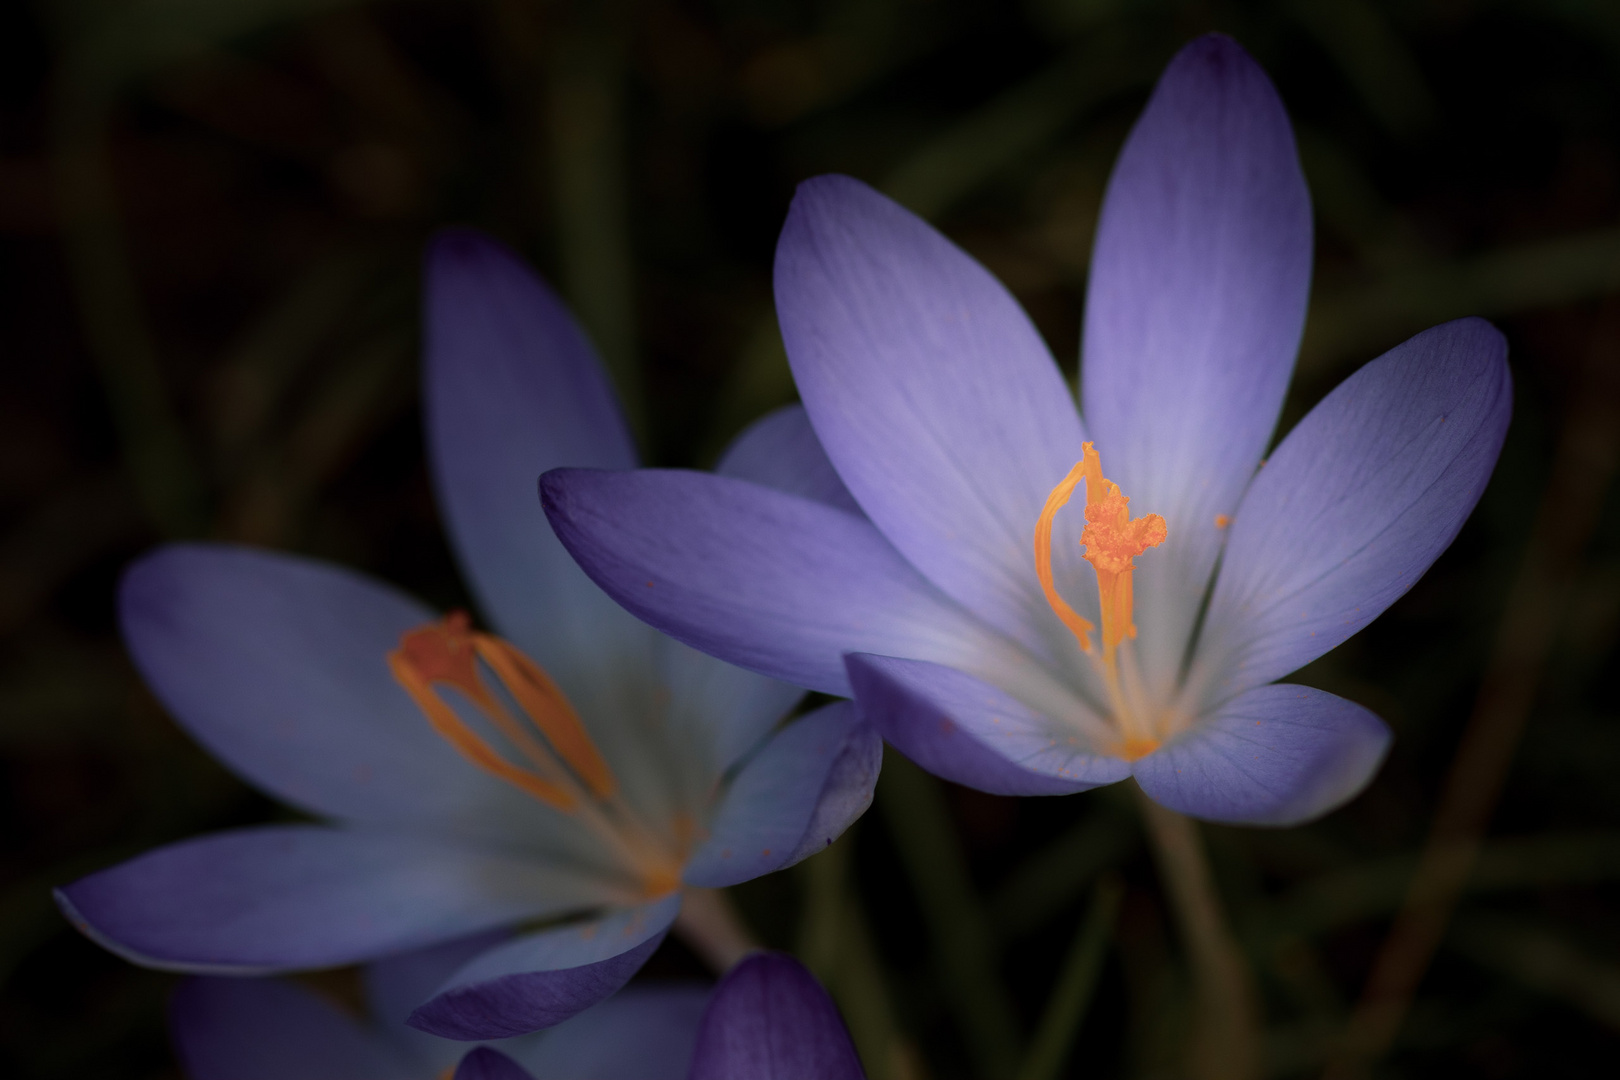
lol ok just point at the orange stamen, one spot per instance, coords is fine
(1078, 625)
(1113, 539)
(551, 712)
(447, 653)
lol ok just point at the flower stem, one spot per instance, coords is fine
(1226, 1044)
(711, 927)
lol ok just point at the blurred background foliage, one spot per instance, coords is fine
(212, 215)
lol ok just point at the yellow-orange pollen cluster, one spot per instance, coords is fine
(561, 765)
(1112, 539)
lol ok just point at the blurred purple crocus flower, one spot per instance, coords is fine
(273, 1029)
(567, 778)
(770, 1020)
(956, 608)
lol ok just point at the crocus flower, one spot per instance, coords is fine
(273, 1029)
(1015, 644)
(770, 1020)
(565, 778)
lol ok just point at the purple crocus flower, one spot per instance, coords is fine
(770, 1020)
(272, 1029)
(958, 608)
(567, 778)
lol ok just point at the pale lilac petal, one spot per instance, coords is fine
(973, 733)
(1199, 279)
(278, 666)
(792, 799)
(644, 1032)
(487, 1063)
(542, 979)
(1276, 755)
(780, 450)
(934, 395)
(1356, 503)
(512, 387)
(777, 584)
(770, 1020)
(267, 1029)
(293, 897)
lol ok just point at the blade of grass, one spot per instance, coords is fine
(963, 947)
(1066, 1007)
(1051, 879)
(835, 942)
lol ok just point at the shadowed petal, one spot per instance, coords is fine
(267, 1029)
(396, 985)
(935, 397)
(487, 1063)
(644, 1032)
(1276, 755)
(770, 1020)
(972, 733)
(794, 798)
(780, 450)
(292, 897)
(1199, 280)
(1356, 503)
(542, 979)
(278, 665)
(777, 584)
(512, 387)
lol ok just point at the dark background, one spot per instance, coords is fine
(210, 220)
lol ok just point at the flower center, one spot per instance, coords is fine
(560, 767)
(1112, 540)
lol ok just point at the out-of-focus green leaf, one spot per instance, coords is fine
(964, 947)
(1374, 58)
(1066, 1004)
(1543, 960)
(835, 942)
(1054, 877)
(1353, 321)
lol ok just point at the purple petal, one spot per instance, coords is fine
(486, 1063)
(644, 1032)
(794, 798)
(292, 897)
(396, 985)
(1356, 503)
(771, 1020)
(1199, 279)
(542, 979)
(1276, 755)
(266, 1029)
(278, 666)
(973, 733)
(935, 397)
(513, 388)
(780, 450)
(774, 583)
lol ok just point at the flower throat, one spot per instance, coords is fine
(1112, 539)
(562, 766)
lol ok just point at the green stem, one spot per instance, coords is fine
(1226, 1043)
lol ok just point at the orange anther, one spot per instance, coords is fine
(1113, 540)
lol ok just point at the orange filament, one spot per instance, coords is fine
(563, 767)
(447, 652)
(1078, 625)
(1112, 540)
